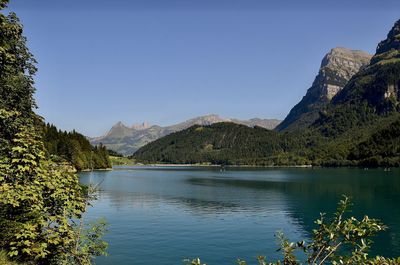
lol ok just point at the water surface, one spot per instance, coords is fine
(162, 215)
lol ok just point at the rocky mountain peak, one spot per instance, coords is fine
(141, 126)
(210, 119)
(119, 129)
(344, 62)
(119, 124)
(395, 31)
(337, 67)
(379, 83)
(388, 50)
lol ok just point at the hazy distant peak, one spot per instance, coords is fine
(208, 118)
(119, 124)
(128, 139)
(141, 126)
(119, 129)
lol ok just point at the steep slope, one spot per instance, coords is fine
(365, 112)
(337, 67)
(119, 130)
(222, 143)
(372, 94)
(382, 148)
(378, 84)
(126, 140)
(358, 126)
(74, 148)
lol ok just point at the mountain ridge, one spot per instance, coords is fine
(127, 139)
(358, 126)
(337, 67)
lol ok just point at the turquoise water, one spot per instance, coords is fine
(162, 215)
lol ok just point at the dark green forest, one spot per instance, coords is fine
(232, 144)
(347, 135)
(73, 147)
(359, 127)
(222, 143)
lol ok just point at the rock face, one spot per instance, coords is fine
(392, 42)
(378, 83)
(269, 124)
(141, 126)
(388, 50)
(126, 140)
(337, 68)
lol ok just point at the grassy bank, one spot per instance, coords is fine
(122, 161)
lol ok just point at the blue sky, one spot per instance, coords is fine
(166, 61)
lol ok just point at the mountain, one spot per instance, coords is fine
(358, 125)
(269, 124)
(126, 140)
(371, 95)
(378, 84)
(337, 68)
(221, 143)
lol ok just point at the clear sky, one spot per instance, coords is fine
(164, 61)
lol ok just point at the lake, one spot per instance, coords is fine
(160, 215)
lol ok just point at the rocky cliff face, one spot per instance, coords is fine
(392, 42)
(337, 68)
(141, 126)
(378, 83)
(126, 140)
(388, 52)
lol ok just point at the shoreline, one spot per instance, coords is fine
(95, 169)
(240, 166)
(213, 165)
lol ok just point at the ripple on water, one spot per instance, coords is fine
(159, 216)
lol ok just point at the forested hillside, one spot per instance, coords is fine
(359, 127)
(127, 139)
(223, 143)
(73, 147)
(381, 148)
(230, 144)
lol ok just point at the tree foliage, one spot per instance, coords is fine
(73, 147)
(37, 201)
(223, 143)
(40, 200)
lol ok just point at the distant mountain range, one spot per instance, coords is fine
(127, 139)
(349, 117)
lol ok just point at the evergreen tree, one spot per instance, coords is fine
(74, 148)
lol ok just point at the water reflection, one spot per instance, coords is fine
(376, 193)
(225, 215)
